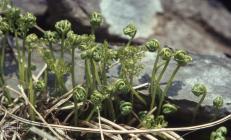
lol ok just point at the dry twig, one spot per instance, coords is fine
(42, 133)
(148, 136)
(58, 104)
(118, 127)
(100, 127)
(109, 135)
(139, 131)
(39, 115)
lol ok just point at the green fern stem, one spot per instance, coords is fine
(153, 81)
(167, 88)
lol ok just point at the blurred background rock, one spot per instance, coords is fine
(200, 26)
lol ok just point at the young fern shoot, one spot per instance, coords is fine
(198, 90)
(96, 99)
(31, 41)
(72, 41)
(62, 27)
(129, 58)
(182, 58)
(218, 104)
(79, 95)
(153, 46)
(4, 30)
(219, 134)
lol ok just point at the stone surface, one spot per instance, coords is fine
(213, 71)
(189, 36)
(198, 26)
(37, 7)
(211, 13)
(115, 21)
(119, 13)
(195, 25)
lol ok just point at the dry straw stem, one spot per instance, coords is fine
(58, 104)
(39, 28)
(170, 137)
(68, 107)
(141, 86)
(39, 115)
(16, 136)
(64, 98)
(105, 126)
(118, 127)
(139, 131)
(22, 94)
(178, 137)
(36, 78)
(18, 93)
(100, 127)
(148, 136)
(42, 133)
(3, 120)
(170, 134)
(95, 125)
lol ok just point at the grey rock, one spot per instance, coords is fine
(211, 14)
(67, 9)
(213, 71)
(37, 7)
(190, 36)
(142, 13)
(114, 21)
(193, 25)
(10, 73)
